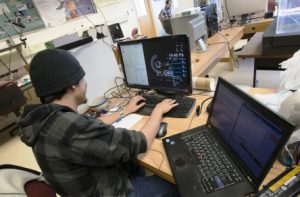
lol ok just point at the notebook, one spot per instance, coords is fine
(232, 153)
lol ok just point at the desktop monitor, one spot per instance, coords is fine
(161, 63)
(115, 31)
(197, 31)
(243, 8)
(193, 25)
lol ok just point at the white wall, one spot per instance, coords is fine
(184, 4)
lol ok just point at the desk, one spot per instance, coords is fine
(257, 26)
(253, 49)
(156, 161)
(217, 48)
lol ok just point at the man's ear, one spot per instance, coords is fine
(73, 87)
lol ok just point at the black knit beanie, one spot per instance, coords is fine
(54, 70)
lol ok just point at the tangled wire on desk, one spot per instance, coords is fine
(120, 91)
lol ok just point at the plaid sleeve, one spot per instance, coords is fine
(96, 143)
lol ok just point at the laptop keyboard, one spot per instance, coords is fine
(215, 170)
(185, 106)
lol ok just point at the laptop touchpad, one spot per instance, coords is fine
(180, 162)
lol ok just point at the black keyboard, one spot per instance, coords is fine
(215, 169)
(184, 108)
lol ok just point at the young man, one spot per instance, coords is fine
(80, 155)
(164, 16)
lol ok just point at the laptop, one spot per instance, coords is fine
(232, 153)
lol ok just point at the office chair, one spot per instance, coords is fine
(23, 181)
(37, 188)
(11, 100)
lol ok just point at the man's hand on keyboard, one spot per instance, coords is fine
(165, 106)
(134, 104)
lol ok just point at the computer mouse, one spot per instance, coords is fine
(162, 131)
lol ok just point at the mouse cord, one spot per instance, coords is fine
(201, 106)
(163, 158)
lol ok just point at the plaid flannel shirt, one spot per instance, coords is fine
(80, 155)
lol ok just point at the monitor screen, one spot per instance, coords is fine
(161, 63)
(115, 31)
(251, 131)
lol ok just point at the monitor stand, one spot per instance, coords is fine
(201, 46)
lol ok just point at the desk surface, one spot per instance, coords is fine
(156, 161)
(217, 48)
(257, 26)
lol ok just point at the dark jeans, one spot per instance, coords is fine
(152, 186)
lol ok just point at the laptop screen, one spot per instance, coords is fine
(246, 128)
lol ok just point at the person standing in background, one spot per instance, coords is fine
(165, 15)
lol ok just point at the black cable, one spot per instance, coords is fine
(202, 103)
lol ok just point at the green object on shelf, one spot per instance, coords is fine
(49, 45)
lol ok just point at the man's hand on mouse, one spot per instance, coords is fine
(166, 105)
(133, 105)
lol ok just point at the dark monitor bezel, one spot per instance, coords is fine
(269, 114)
(166, 90)
(112, 28)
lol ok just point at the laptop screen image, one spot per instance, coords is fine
(246, 130)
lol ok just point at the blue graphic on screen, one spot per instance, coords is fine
(167, 63)
(252, 137)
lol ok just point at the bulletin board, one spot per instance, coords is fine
(57, 12)
(21, 12)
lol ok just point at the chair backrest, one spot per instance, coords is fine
(11, 99)
(20, 180)
(37, 188)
